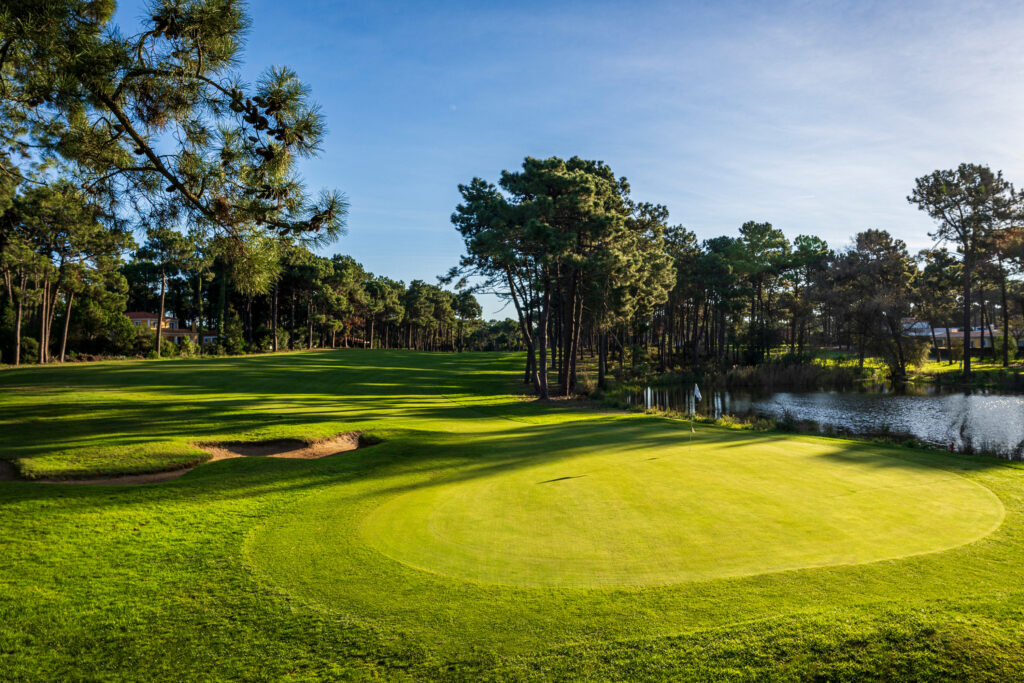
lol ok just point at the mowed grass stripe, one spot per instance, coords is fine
(264, 569)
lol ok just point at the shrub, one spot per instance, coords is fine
(122, 334)
(264, 342)
(282, 338)
(786, 422)
(144, 342)
(29, 350)
(169, 349)
(233, 341)
(732, 422)
(188, 348)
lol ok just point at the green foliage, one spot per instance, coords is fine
(559, 236)
(170, 350)
(56, 247)
(144, 343)
(971, 206)
(232, 341)
(187, 348)
(877, 274)
(158, 116)
(29, 349)
(123, 334)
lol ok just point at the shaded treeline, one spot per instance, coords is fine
(162, 138)
(591, 271)
(281, 296)
(292, 298)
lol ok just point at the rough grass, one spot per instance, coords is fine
(984, 373)
(263, 569)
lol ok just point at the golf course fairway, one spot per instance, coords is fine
(486, 535)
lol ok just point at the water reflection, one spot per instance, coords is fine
(975, 422)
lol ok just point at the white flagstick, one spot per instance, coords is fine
(696, 398)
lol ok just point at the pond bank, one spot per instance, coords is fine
(972, 422)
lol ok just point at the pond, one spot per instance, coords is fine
(975, 421)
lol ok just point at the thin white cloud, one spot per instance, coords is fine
(820, 119)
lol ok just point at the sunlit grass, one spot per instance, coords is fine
(486, 537)
(944, 367)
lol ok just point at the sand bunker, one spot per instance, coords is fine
(224, 450)
(284, 448)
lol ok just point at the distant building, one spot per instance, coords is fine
(916, 328)
(981, 337)
(169, 330)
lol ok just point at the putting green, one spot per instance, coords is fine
(642, 507)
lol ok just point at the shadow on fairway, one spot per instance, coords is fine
(364, 389)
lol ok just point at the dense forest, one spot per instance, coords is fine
(588, 267)
(70, 295)
(139, 173)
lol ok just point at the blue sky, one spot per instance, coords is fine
(815, 116)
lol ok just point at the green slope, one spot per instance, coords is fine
(488, 536)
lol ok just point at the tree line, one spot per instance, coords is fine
(139, 170)
(292, 298)
(589, 269)
(62, 269)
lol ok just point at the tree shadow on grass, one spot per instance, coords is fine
(422, 455)
(212, 399)
(291, 373)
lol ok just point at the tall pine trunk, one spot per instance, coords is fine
(291, 326)
(1006, 317)
(309, 320)
(67, 320)
(51, 315)
(160, 320)
(967, 317)
(43, 317)
(199, 310)
(17, 327)
(542, 343)
(222, 306)
(273, 320)
(574, 347)
(988, 326)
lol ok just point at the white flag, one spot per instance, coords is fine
(696, 392)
